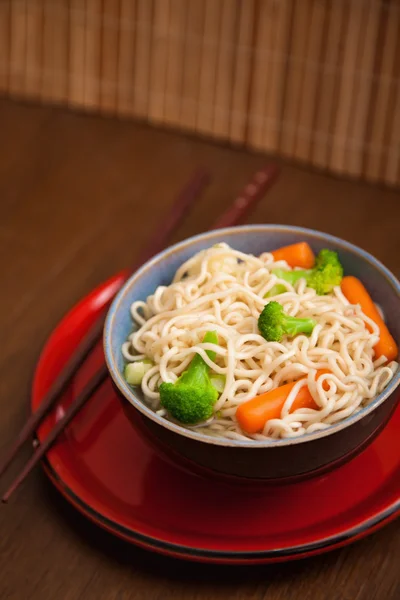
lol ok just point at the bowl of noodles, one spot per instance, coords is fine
(261, 352)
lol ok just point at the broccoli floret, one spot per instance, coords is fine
(274, 323)
(326, 274)
(192, 397)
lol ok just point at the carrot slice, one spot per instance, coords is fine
(296, 255)
(253, 414)
(356, 293)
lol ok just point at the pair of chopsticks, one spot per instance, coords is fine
(236, 214)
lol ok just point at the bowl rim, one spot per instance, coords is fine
(194, 434)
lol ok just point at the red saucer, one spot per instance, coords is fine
(120, 480)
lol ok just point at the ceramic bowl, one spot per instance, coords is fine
(286, 459)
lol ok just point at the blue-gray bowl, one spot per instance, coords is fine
(285, 459)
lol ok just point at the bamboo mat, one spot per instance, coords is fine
(314, 80)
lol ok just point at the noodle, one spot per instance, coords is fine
(223, 289)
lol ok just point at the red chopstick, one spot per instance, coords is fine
(239, 209)
(96, 380)
(247, 200)
(184, 201)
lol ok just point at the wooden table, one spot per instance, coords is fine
(78, 197)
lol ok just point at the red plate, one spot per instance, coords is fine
(115, 476)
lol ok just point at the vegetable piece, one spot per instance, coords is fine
(254, 414)
(218, 380)
(356, 293)
(135, 371)
(191, 398)
(296, 255)
(274, 323)
(278, 289)
(327, 273)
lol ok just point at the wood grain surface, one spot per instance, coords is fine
(78, 197)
